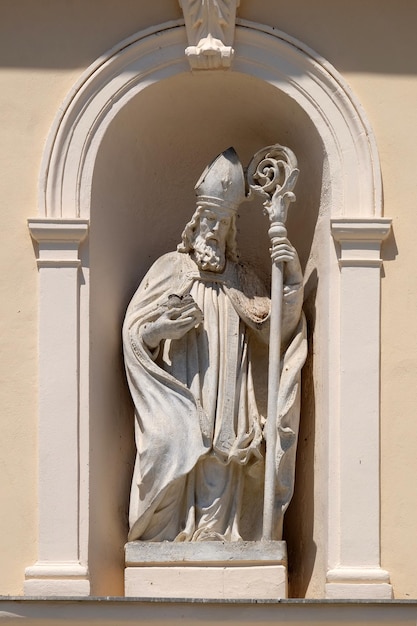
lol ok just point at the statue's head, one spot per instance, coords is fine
(211, 233)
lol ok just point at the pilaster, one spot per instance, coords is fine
(59, 570)
(354, 446)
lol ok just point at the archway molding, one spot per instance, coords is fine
(158, 53)
(347, 332)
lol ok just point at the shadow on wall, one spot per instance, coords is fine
(42, 34)
(142, 196)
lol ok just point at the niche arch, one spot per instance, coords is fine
(277, 90)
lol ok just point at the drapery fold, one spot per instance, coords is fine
(195, 397)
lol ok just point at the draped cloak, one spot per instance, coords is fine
(195, 397)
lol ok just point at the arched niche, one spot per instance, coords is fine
(116, 188)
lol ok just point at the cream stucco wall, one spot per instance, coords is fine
(44, 47)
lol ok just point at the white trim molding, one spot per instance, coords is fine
(354, 450)
(349, 296)
(60, 567)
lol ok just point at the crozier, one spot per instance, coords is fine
(212, 465)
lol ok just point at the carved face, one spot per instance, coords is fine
(210, 239)
(215, 226)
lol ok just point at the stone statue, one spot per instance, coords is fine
(192, 337)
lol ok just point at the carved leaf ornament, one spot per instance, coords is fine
(210, 26)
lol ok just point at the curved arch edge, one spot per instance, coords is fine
(90, 107)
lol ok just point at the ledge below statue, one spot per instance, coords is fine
(214, 570)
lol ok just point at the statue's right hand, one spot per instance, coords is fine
(173, 323)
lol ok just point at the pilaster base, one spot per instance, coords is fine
(361, 583)
(212, 570)
(358, 591)
(57, 579)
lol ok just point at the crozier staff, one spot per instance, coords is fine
(272, 173)
(189, 337)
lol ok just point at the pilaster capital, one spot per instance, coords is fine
(354, 229)
(360, 240)
(58, 240)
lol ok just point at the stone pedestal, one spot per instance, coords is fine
(216, 570)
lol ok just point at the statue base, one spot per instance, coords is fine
(243, 570)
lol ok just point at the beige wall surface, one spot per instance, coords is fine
(44, 47)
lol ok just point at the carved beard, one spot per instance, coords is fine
(209, 254)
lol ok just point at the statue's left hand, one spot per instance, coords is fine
(173, 322)
(282, 251)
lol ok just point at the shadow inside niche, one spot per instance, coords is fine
(299, 519)
(141, 198)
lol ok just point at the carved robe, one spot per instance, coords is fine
(199, 467)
